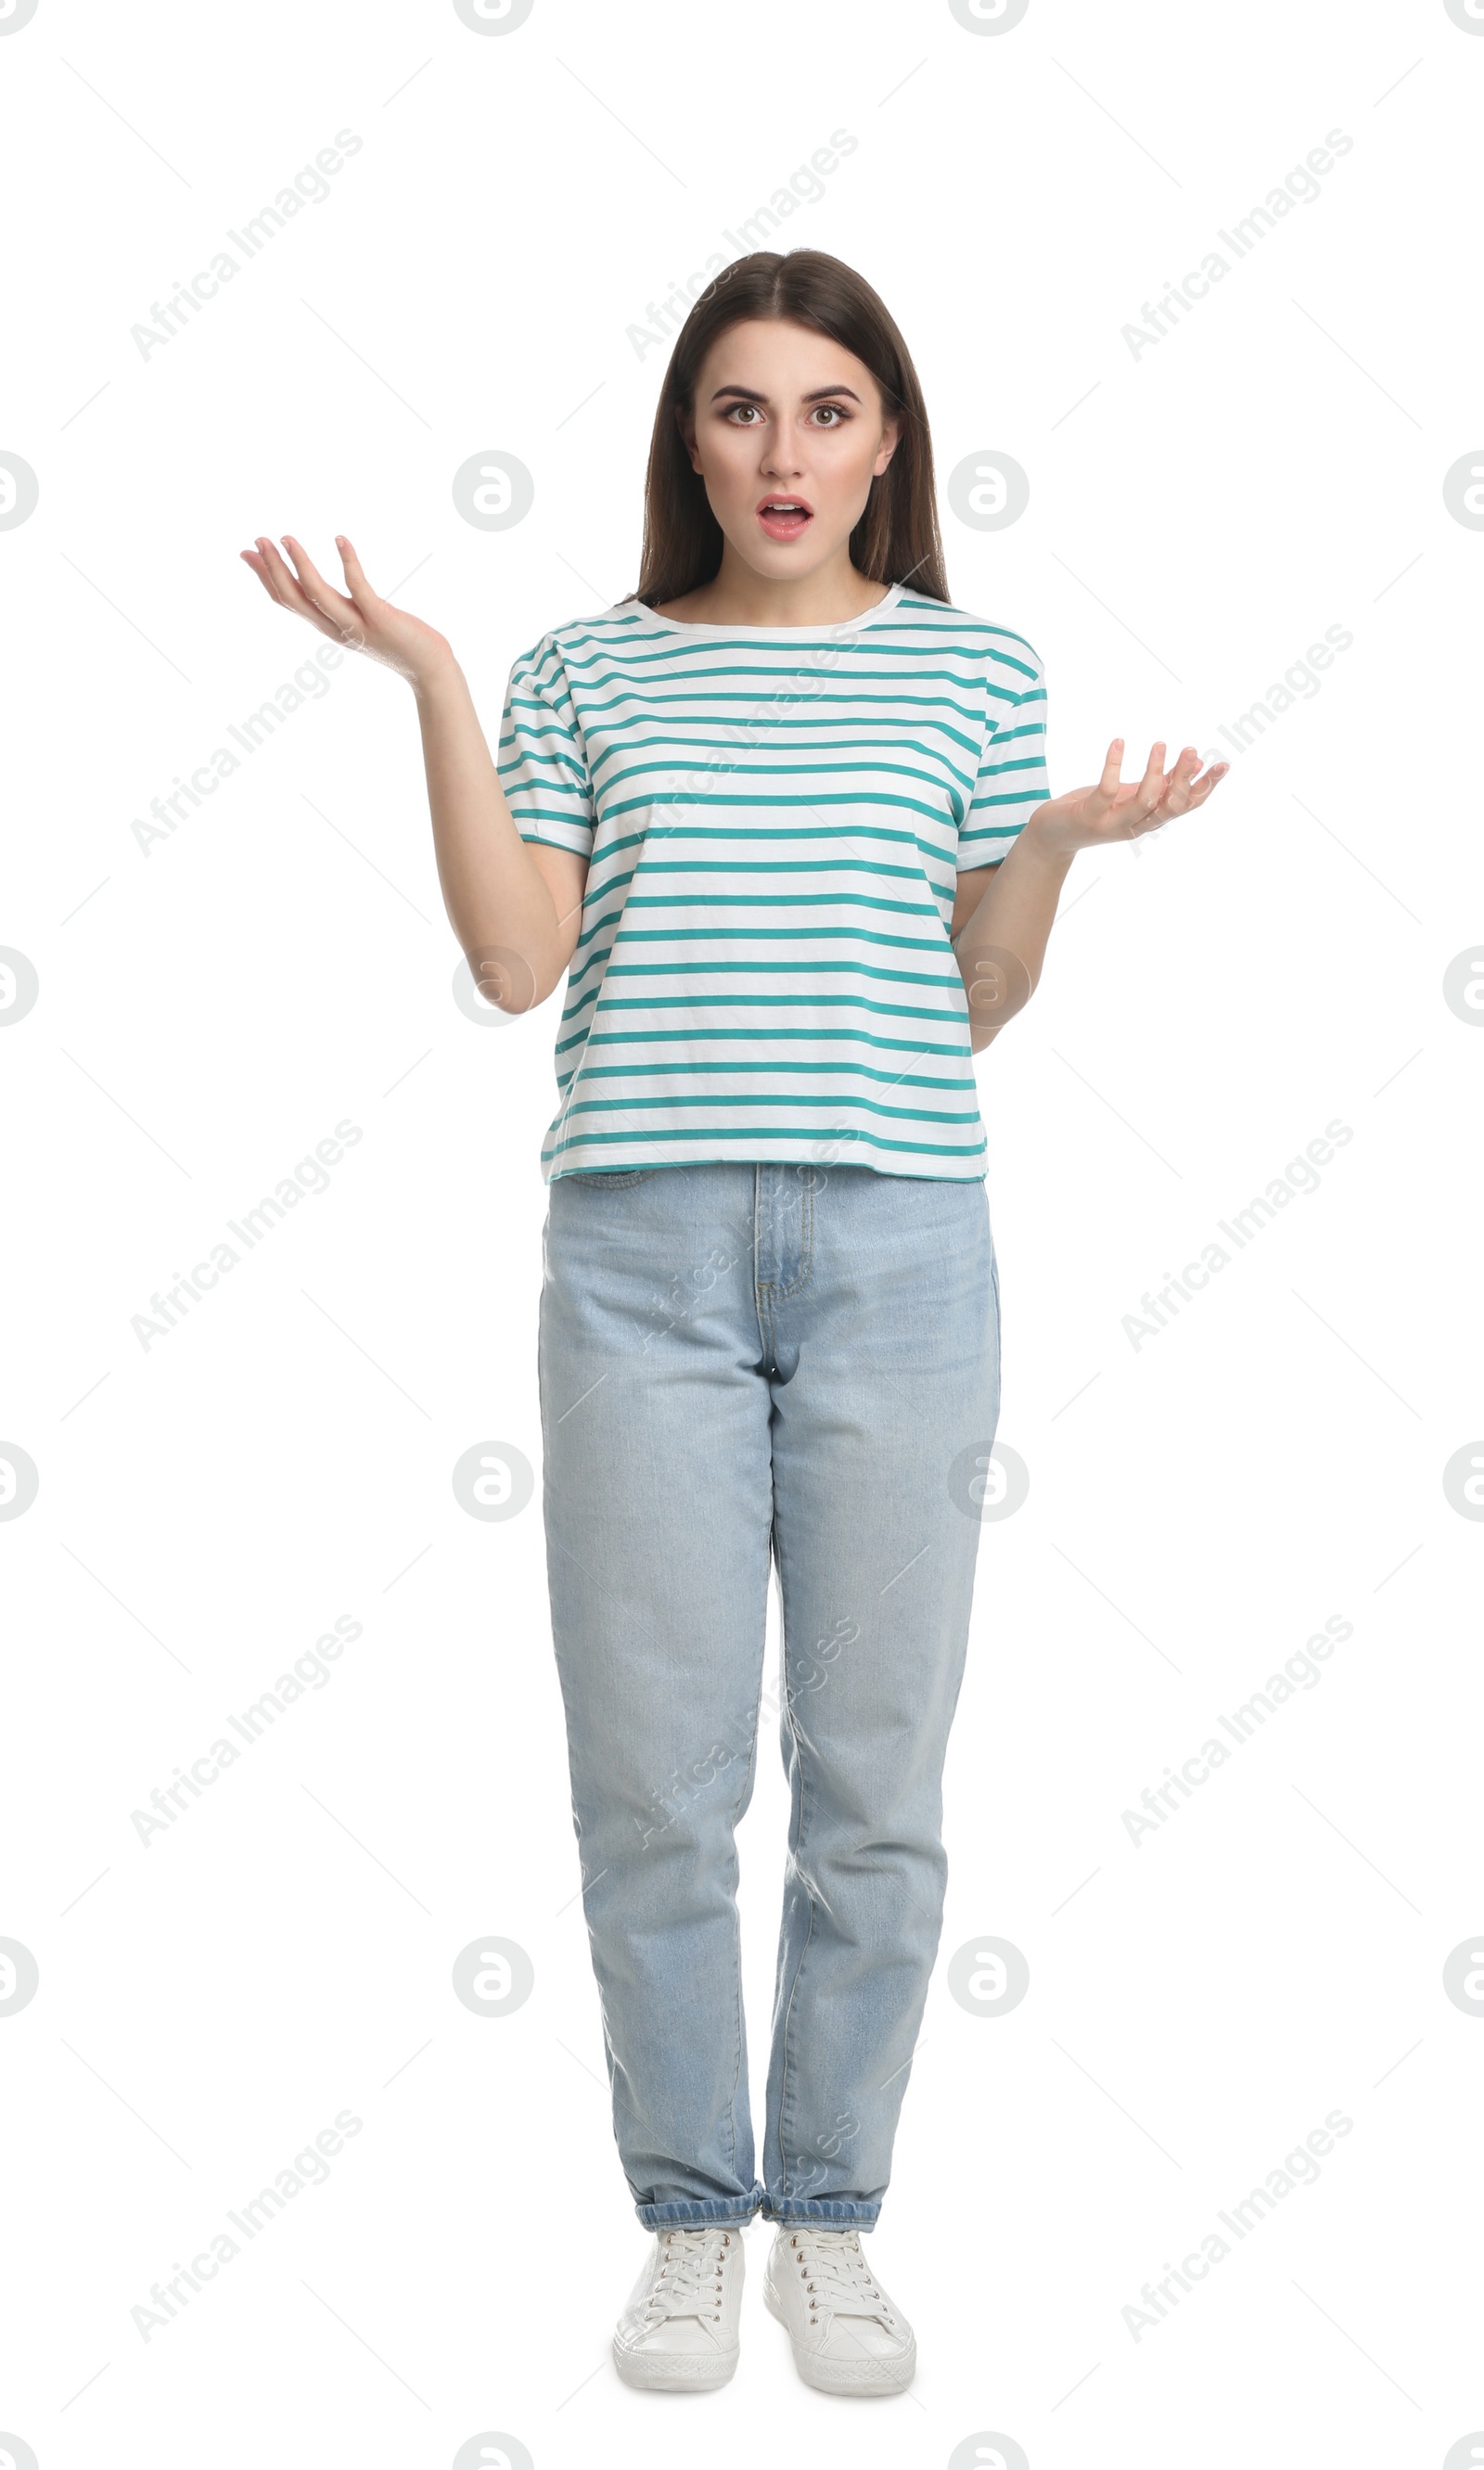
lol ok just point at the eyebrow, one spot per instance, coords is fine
(749, 394)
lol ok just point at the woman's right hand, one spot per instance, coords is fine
(361, 621)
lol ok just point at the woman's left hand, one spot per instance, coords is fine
(1118, 811)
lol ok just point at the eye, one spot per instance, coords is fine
(742, 406)
(836, 411)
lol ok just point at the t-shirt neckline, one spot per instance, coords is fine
(710, 627)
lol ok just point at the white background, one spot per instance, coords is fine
(1199, 1503)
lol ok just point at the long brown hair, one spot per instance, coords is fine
(897, 538)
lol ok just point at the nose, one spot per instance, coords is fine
(781, 461)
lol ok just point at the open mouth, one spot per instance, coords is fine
(783, 518)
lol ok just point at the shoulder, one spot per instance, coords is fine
(1002, 651)
(576, 645)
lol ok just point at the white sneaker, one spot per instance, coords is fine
(679, 2331)
(847, 2336)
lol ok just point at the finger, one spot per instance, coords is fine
(1136, 803)
(1177, 782)
(254, 558)
(1186, 792)
(354, 572)
(1201, 790)
(288, 590)
(341, 613)
(279, 583)
(1103, 795)
(1150, 792)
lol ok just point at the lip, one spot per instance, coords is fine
(780, 527)
(783, 497)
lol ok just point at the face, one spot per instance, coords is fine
(788, 431)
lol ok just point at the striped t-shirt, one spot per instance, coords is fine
(774, 819)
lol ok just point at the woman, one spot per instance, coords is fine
(782, 819)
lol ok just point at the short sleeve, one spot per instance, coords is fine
(542, 760)
(1012, 779)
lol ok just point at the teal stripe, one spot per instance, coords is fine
(773, 1131)
(857, 1038)
(810, 804)
(732, 999)
(777, 900)
(775, 1063)
(787, 818)
(768, 1098)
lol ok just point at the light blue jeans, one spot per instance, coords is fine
(739, 1361)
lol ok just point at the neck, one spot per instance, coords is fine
(738, 595)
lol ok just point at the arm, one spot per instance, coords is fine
(1002, 921)
(1001, 916)
(515, 907)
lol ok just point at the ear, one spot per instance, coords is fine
(686, 426)
(890, 438)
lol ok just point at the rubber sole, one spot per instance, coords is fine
(864, 2378)
(675, 2374)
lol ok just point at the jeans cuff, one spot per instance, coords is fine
(713, 2208)
(828, 2210)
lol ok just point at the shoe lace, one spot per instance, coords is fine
(690, 2271)
(833, 2270)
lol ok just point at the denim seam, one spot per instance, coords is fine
(777, 1292)
(788, 2013)
(619, 1178)
(765, 1336)
(737, 2080)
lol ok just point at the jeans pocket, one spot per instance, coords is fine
(603, 1175)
